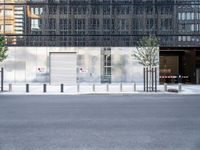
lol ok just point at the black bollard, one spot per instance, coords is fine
(62, 88)
(2, 79)
(44, 88)
(27, 88)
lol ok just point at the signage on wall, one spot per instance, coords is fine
(41, 69)
(83, 70)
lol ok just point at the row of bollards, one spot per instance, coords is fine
(93, 87)
(27, 88)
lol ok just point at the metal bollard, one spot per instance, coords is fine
(62, 88)
(121, 87)
(134, 87)
(179, 87)
(93, 87)
(2, 79)
(44, 88)
(27, 88)
(78, 87)
(107, 87)
(10, 87)
(165, 87)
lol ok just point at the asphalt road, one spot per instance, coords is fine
(100, 122)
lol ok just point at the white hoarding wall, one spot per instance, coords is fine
(31, 64)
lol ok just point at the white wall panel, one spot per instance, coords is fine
(9, 65)
(23, 63)
(63, 68)
(20, 64)
(42, 75)
(31, 63)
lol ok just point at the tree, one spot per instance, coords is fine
(147, 51)
(147, 54)
(3, 49)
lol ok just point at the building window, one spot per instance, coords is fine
(150, 24)
(166, 24)
(79, 10)
(8, 12)
(52, 23)
(8, 28)
(80, 26)
(137, 25)
(63, 9)
(94, 26)
(106, 9)
(122, 26)
(34, 24)
(95, 10)
(65, 24)
(149, 10)
(36, 10)
(122, 10)
(108, 25)
(52, 9)
(107, 65)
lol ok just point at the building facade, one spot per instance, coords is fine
(105, 25)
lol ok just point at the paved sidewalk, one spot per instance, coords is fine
(37, 89)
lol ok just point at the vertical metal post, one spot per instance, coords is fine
(165, 87)
(152, 78)
(121, 87)
(27, 88)
(10, 87)
(147, 74)
(93, 87)
(155, 79)
(107, 87)
(179, 87)
(144, 79)
(4, 17)
(78, 87)
(2, 79)
(134, 87)
(44, 88)
(62, 88)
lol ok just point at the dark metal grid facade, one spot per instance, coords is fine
(176, 23)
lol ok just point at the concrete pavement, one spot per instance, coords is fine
(35, 89)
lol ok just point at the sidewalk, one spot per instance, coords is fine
(37, 89)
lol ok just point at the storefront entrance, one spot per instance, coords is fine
(178, 66)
